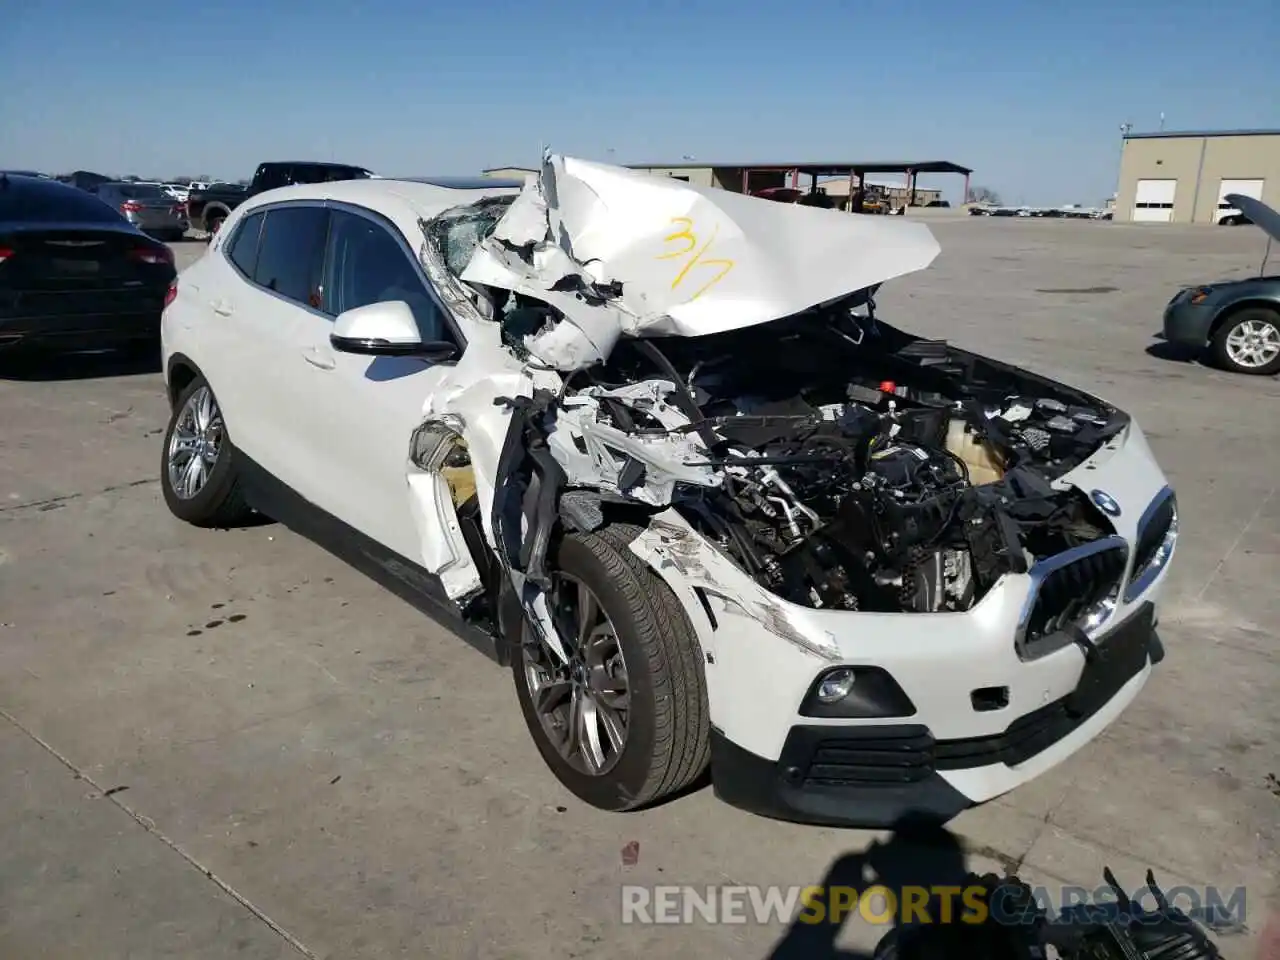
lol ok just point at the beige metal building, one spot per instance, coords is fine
(511, 173)
(1182, 177)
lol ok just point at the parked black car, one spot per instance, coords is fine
(206, 209)
(74, 274)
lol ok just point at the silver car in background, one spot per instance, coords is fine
(147, 206)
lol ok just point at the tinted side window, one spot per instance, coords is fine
(308, 173)
(291, 251)
(270, 176)
(366, 264)
(344, 173)
(243, 250)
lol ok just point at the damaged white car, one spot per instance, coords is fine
(650, 445)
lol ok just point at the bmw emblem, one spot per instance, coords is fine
(1105, 502)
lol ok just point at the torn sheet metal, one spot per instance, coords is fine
(661, 256)
(596, 454)
(670, 541)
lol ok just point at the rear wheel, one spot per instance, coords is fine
(625, 722)
(213, 223)
(1248, 342)
(198, 474)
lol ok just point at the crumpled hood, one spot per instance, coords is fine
(658, 256)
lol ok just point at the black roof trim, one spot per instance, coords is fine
(820, 168)
(1197, 134)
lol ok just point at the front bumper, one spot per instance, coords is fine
(876, 776)
(983, 708)
(1187, 323)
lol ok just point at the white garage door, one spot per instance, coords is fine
(1249, 188)
(1153, 203)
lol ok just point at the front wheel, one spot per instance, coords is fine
(198, 474)
(1248, 342)
(625, 723)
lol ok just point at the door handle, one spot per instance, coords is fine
(222, 308)
(317, 359)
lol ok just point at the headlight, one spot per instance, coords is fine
(1199, 295)
(1099, 613)
(1157, 536)
(437, 442)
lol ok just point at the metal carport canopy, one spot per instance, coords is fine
(844, 166)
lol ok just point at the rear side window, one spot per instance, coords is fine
(52, 203)
(243, 250)
(308, 173)
(291, 253)
(270, 176)
(345, 173)
(136, 191)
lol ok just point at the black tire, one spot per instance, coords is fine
(220, 502)
(1218, 348)
(668, 737)
(213, 222)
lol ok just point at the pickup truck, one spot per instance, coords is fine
(206, 209)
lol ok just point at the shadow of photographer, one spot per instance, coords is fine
(940, 909)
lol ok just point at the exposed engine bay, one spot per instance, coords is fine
(888, 475)
(840, 462)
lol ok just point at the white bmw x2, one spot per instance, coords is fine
(649, 445)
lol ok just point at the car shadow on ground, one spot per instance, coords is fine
(50, 367)
(1173, 352)
(919, 855)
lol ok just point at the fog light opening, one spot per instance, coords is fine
(836, 685)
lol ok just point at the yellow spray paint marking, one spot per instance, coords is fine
(695, 254)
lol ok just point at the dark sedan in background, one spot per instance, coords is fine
(148, 206)
(74, 274)
(1236, 321)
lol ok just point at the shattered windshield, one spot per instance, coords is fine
(456, 233)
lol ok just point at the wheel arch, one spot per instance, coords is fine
(214, 207)
(179, 372)
(1231, 309)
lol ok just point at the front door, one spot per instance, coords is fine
(367, 408)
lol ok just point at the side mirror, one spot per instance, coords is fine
(386, 329)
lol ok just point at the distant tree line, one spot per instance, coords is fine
(979, 194)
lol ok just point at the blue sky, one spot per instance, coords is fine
(1030, 94)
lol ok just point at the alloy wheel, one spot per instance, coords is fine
(583, 705)
(1254, 343)
(194, 444)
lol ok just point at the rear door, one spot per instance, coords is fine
(263, 284)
